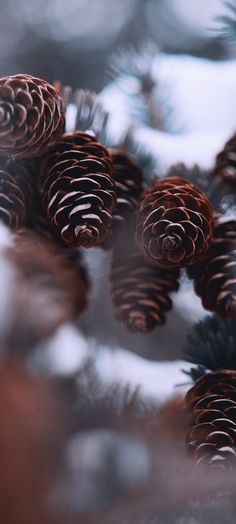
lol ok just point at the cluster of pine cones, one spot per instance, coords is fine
(72, 192)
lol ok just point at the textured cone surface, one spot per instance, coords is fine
(174, 223)
(128, 180)
(215, 277)
(140, 291)
(16, 192)
(212, 188)
(78, 189)
(211, 410)
(225, 167)
(31, 116)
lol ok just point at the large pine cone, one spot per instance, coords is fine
(78, 189)
(16, 192)
(225, 167)
(140, 292)
(215, 278)
(31, 116)
(174, 223)
(211, 409)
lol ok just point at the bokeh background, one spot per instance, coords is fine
(74, 41)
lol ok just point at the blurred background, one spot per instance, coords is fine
(73, 41)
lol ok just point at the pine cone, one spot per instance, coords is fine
(211, 409)
(225, 167)
(31, 116)
(214, 276)
(128, 180)
(203, 180)
(78, 189)
(211, 344)
(51, 288)
(140, 292)
(16, 192)
(174, 224)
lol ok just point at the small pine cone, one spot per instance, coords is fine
(128, 180)
(174, 223)
(140, 291)
(214, 277)
(211, 410)
(16, 192)
(31, 116)
(211, 344)
(78, 189)
(225, 167)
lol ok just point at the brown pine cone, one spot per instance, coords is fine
(225, 166)
(174, 223)
(50, 288)
(128, 181)
(16, 191)
(78, 189)
(31, 116)
(203, 180)
(140, 291)
(214, 276)
(211, 410)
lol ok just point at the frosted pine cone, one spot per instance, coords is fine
(16, 192)
(31, 116)
(174, 223)
(214, 276)
(211, 409)
(78, 189)
(140, 292)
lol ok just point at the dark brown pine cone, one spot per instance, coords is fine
(31, 116)
(225, 166)
(211, 410)
(174, 223)
(78, 189)
(128, 179)
(140, 291)
(16, 191)
(214, 276)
